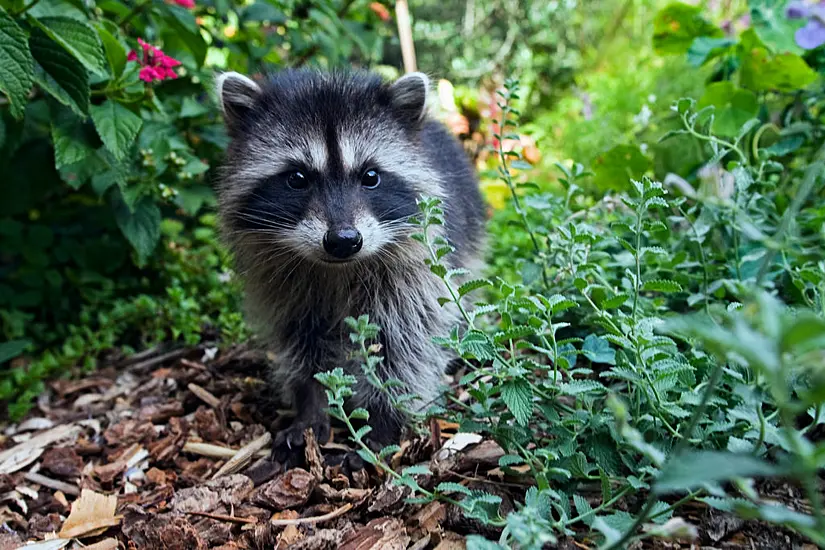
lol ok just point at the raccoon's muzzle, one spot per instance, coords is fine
(343, 243)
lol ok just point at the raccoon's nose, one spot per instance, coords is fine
(343, 243)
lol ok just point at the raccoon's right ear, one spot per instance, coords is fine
(409, 96)
(237, 95)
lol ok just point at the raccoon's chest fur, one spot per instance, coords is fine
(306, 327)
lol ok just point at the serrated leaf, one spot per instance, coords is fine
(78, 38)
(518, 396)
(692, 469)
(418, 469)
(388, 451)
(362, 432)
(584, 509)
(661, 285)
(447, 487)
(470, 286)
(577, 387)
(60, 74)
(514, 333)
(360, 414)
(117, 127)
(509, 460)
(140, 226)
(614, 301)
(475, 343)
(16, 64)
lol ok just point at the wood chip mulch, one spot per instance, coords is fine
(170, 450)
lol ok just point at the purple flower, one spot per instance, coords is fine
(812, 35)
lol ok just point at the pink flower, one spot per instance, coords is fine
(155, 65)
(188, 4)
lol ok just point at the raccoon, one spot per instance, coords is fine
(315, 198)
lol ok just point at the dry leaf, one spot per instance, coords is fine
(91, 514)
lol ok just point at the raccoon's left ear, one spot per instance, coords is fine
(237, 95)
(409, 96)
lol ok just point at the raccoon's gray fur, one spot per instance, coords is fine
(297, 189)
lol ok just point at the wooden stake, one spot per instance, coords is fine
(402, 15)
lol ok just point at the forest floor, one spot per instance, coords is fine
(170, 450)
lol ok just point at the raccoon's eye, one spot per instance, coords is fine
(297, 180)
(370, 179)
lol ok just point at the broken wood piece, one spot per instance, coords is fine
(210, 450)
(243, 456)
(67, 488)
(204, 395)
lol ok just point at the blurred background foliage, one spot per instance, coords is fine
(108, 236)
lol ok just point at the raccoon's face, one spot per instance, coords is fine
(323, 166)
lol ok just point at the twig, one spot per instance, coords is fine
(223, 517)
(149, 363)
(243, 456)
(316, 519)
(214, 451)
(67, 488)
(205, 396)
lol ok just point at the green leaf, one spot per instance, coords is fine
(692, 469)
(518, 396)
(78, 38)
(763, 71)
(262, 11)
(16, 64)
(70, 145)
(661, 285)
(360, 414)
(10, 350)
(447, 487)
(117, 126)
(470, 286)
(115, 52)
(769, 21)
(616, 167)
(584, 509)
(60, 74)
(805, 333)
(577, 387)
(388, 451)
(183, 23)
(614, 301)
(140, 226)
(477, 542)
(677, 25)
(418, 469)
(598, 350)
(706, 48)
(733, 106)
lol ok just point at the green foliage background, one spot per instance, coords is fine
(655, 293)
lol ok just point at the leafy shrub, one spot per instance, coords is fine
(663, 341)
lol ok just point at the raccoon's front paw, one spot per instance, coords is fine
(288, 447)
